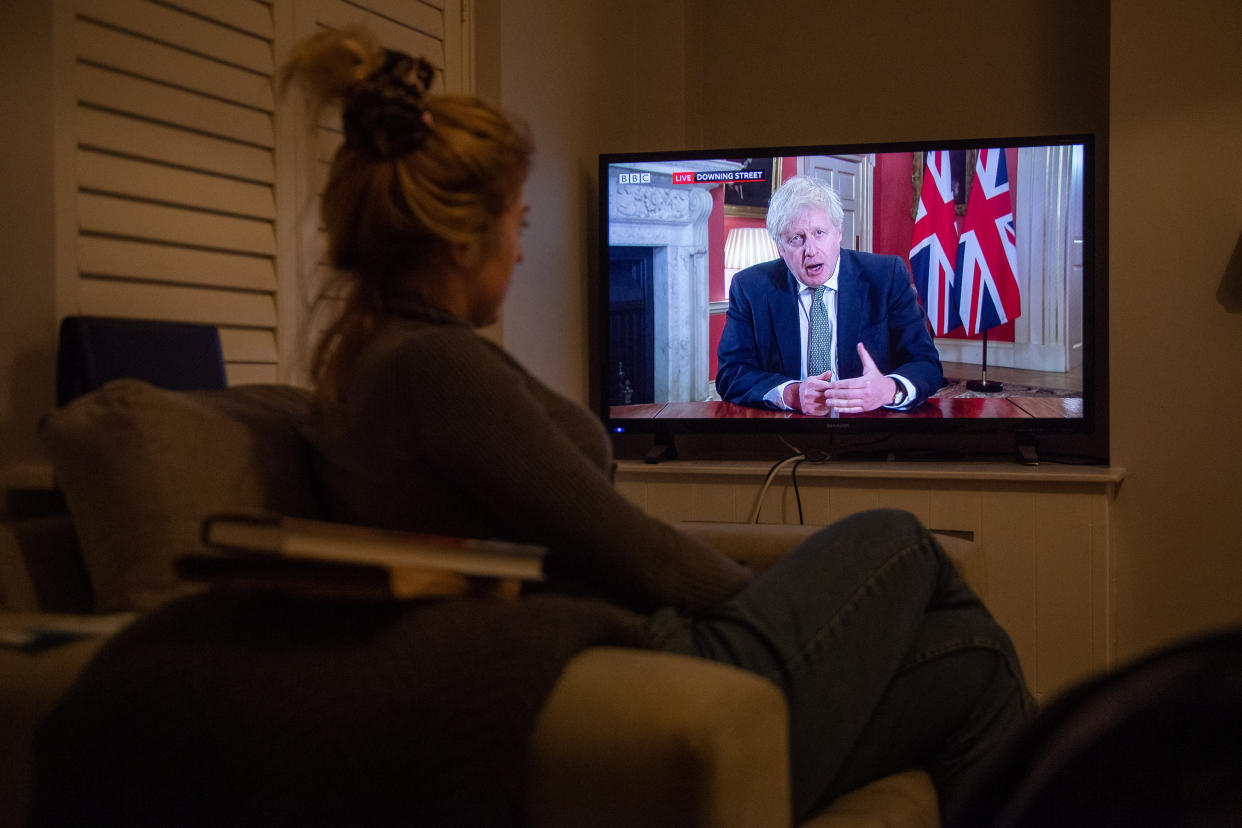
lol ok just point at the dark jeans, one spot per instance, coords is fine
(888, 660)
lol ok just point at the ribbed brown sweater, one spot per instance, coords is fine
(440, 430)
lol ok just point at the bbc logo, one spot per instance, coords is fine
(634, 178)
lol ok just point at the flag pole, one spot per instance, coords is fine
(983, 384)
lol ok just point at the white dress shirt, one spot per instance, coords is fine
(776, 396)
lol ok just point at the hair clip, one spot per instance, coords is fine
(384, 115)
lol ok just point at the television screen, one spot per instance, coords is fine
(962, 312)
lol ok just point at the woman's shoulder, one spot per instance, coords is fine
(433, 346)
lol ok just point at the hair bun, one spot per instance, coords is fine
(384, 113)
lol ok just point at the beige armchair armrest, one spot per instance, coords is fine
(903, 800)
(631, 737)
(758, 544)
(762, 544)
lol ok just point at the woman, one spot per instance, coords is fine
(887, 659)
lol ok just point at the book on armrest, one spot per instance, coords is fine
(328, 559)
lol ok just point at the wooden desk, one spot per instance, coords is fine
(935, 408)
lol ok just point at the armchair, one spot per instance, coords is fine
(625, 737)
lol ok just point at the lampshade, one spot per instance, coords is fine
(746, 246)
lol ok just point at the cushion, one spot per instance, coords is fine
(141, 466)
(902, 800)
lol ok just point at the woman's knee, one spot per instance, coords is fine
(871, 547)
(885, 525)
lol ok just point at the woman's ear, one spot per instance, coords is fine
(465, 255)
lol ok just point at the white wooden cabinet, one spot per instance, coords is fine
(1041, 532)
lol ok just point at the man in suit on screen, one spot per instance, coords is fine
(821, 328)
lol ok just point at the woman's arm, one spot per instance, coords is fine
(490, 436)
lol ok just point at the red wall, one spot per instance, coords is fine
(893, 228)
(716, 232)
(715, 327)
(715, 259)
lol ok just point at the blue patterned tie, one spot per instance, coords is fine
(819, 350)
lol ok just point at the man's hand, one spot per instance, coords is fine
(865, 393)
(808, 396)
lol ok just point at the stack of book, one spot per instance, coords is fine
(321, 558)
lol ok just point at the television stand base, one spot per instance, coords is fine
(1026, 455)
(664, 449)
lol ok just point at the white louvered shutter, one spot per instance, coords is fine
(187, 168)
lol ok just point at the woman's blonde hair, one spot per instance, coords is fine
(417, 178)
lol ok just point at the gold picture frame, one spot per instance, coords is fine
(750, 200)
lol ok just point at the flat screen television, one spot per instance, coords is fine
(1000, 240)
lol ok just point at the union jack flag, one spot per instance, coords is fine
(934, 243)
(987, 269)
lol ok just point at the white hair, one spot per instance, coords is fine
(797, 193)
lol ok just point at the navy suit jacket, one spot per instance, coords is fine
(877, 305)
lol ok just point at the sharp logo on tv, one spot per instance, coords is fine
(634, 178)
